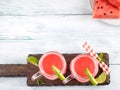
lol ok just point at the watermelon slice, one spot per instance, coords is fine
(104, 9)
(115, 3)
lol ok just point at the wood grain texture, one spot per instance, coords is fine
(50, 24)
(66, 34)
(13, 70)
(38, 7)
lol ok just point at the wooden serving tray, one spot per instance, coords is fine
(27, 70)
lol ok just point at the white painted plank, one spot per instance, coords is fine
(20, 83)
(22, 35)
(16, 51)
(36, 7)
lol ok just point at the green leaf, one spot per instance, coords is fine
(103, 60)
(39, 81)
(91, 78)
(33, 60)
(101, 55)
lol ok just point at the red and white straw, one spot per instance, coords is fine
(102, 65)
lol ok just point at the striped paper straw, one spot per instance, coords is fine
(102, 65)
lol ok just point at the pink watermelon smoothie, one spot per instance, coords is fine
(80, 63)
(49, 59)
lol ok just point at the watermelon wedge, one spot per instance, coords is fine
(104, 9)
(115, 3)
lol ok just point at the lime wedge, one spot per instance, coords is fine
(92, 79)
(57, 72)
(33, 60)
(101, 78)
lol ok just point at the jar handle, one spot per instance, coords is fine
(68, 79)
(35, 76)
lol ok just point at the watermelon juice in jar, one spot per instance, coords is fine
(78, 66)
(45, 65)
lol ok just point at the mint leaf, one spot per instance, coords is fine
(103, 60)
(101, 55)
(33, 60)
(39, 81)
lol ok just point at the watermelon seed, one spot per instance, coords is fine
(104, 13)
(111, 12)
(101, 7)
(96, 1)
(98, 7)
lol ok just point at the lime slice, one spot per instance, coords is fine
(33, 60)
(57, 72)
(92, 79)
(101, 78)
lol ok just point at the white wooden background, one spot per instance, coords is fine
(38, 26)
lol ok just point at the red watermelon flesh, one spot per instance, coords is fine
(103, 9)
(115, 3)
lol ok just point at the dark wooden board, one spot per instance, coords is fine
(27, 70)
